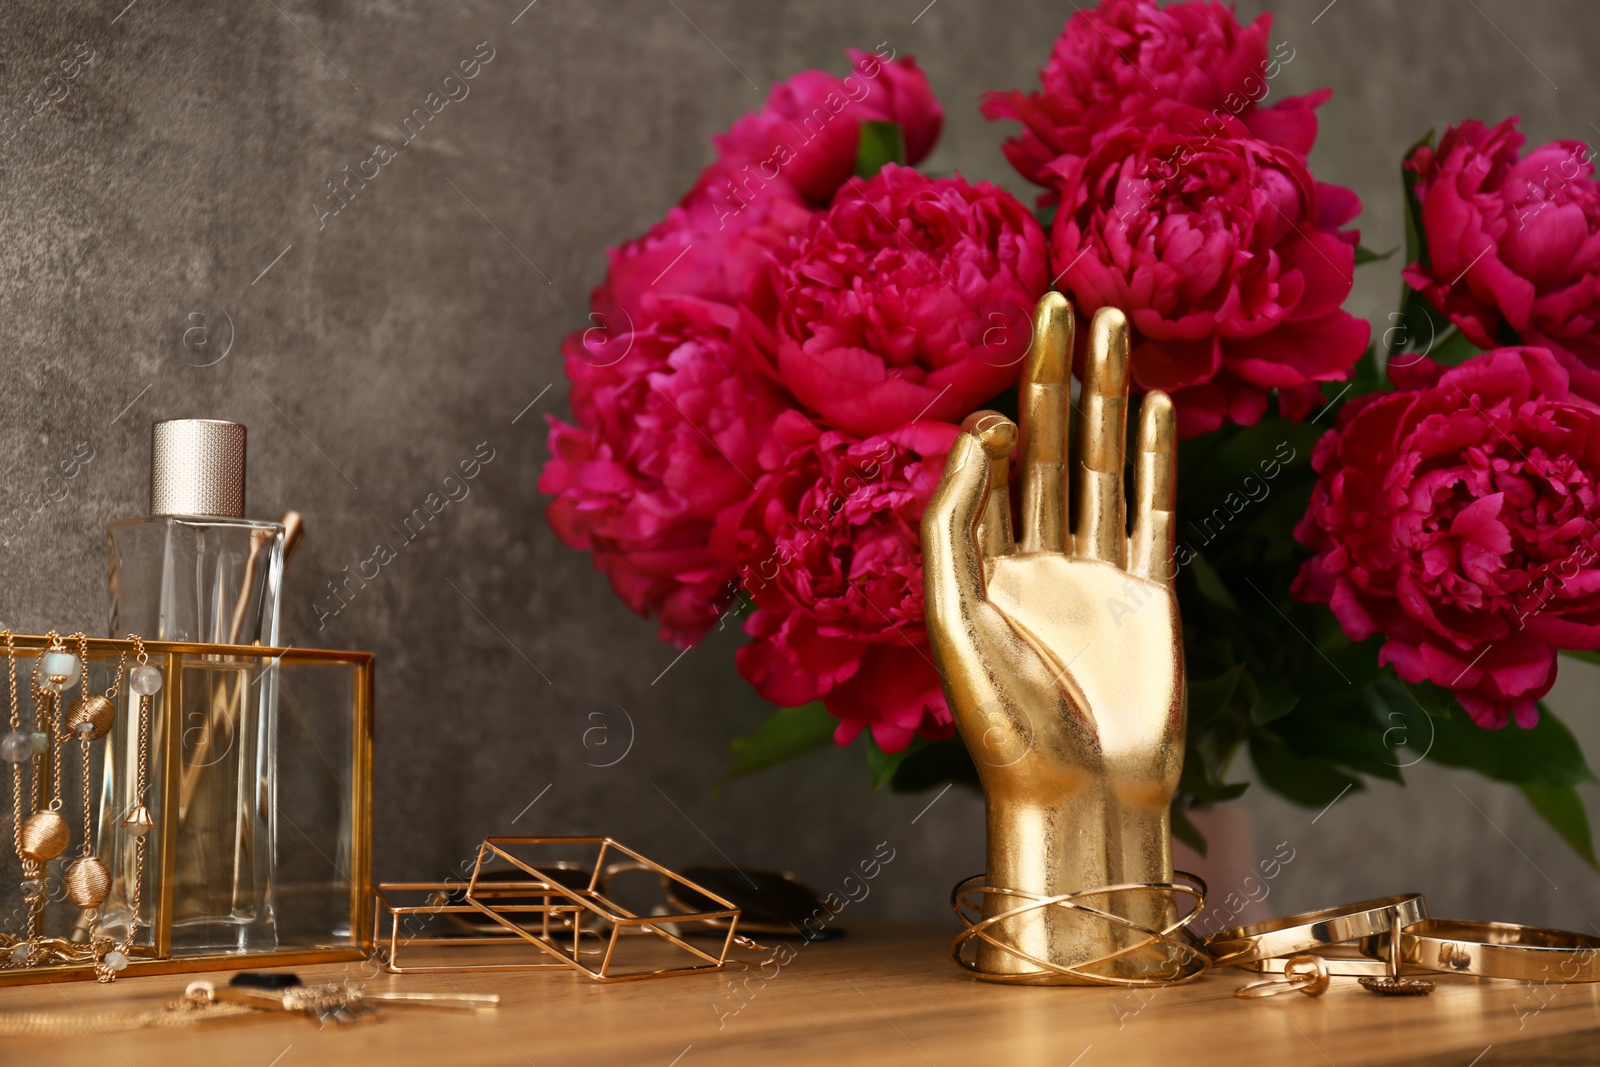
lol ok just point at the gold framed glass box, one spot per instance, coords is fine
(248, 779)
(568, 888)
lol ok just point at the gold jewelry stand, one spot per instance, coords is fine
(322, 913)
(1061, 654)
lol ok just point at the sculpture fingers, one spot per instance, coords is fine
(1102, 531)
(1150, 549)
(998, 435)
(1045, 409)
(952, 566)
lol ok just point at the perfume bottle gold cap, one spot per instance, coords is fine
(197, 468)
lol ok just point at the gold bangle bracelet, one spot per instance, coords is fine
(1495, 950)
(1312, 930)
(1343, 961)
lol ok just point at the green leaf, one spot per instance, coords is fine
(1562, 808)
(1435, 700)
(1344, 664)
(1261, 452)
(1366, 255)
(1207, 753)
(1305, 780)
(1211, 585)
(1208, 696)
(879, 144)
(1452, 347)
(1047, 215)
(1275, 698)
(1184, 830)
(934, 764)
(1211, 793)
(1547, 755)
(1587, 656)
(1353, 744)
(1401, 730)
(1368, 378)
(787, 733)
(1416, 244)
(1420, 330)
(883, 764)
(1416, 326)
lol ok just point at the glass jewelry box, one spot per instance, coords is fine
(151, 786)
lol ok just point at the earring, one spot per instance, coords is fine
(87, 881)
(45, 835)
(143, 682)
(16, 748)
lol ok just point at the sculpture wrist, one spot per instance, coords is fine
(1070, 844)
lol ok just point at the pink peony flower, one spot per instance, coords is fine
(829, 550)
(668, 437)
(1124, 57)
(806, 136)
(909, 299)
(1227, 258)
(698, 250)
(1455, 518)
(671, 399)
(1513, 241)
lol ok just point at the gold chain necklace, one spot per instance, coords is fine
(341, 1003)
(195, 1006)
(44, 834)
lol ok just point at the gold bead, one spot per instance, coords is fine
(87, 882)
(95, 710)
(138, 823)
(44, 836)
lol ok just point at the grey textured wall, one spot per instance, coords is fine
(183, 173)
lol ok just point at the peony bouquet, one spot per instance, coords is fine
(1384, 542)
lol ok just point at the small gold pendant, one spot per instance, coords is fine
(138, 823)
(95, 710)
(87, 882)
(44, 836)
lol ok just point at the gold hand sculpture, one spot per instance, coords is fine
(1061, 652)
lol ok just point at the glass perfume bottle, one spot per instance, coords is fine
(197, 570)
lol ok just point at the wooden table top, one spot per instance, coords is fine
(884, 995)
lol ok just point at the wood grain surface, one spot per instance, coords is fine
(884, 995)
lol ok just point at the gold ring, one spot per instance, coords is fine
(1496, 950)
(1306, 973)
(1312, 930)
